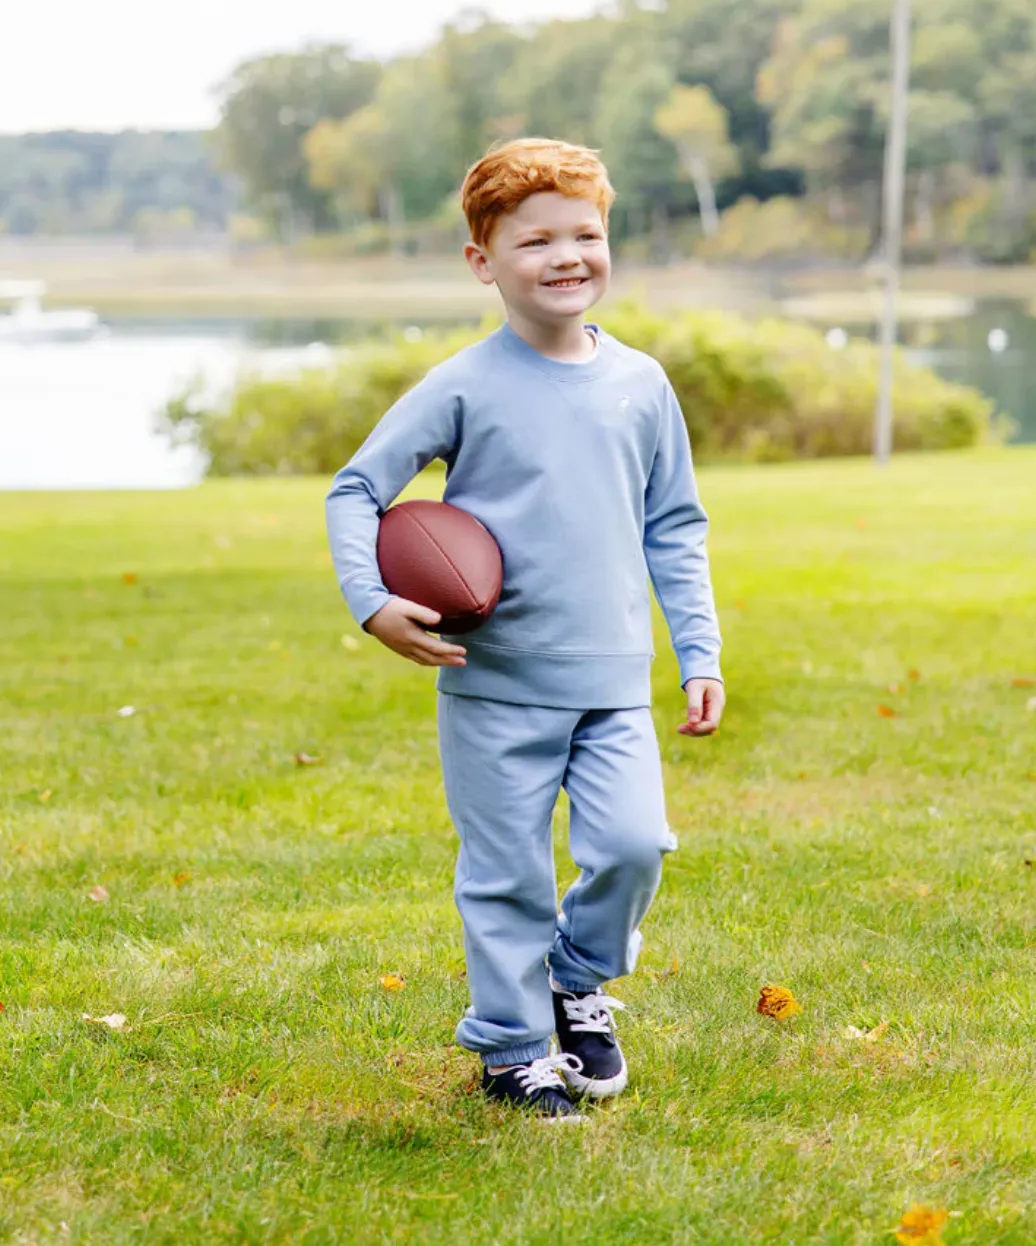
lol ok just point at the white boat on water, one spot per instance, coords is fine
(28, 321)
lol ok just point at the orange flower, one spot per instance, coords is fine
(776, 1001)
(921, 1226)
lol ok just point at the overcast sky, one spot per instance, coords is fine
(110, 64)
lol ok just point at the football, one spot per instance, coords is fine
(441, 557)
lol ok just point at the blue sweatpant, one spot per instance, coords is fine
(503, 768)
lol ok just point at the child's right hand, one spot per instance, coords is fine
(400, 625)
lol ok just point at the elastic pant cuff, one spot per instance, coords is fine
(517, 1055)
(567, 984)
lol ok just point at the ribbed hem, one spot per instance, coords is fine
(567, 681)
(517, 1055)
(581, 988)
(364, 599)
(699, 659)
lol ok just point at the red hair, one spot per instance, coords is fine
(509, 174)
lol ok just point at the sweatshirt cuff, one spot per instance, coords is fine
(364, 599)
(699, 659)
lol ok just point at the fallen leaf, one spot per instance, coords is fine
(921, 1226)
(392, 982)
(1023, 681)
(183, 877)
(1, 1007)
(913, 674)
(127, 711)
(114, 1021)
(868, 1036)
(886, 711)
(673, 969)
(129, 577)
(99, 893)
(304, 759)
(776, 1001)
(350, 643)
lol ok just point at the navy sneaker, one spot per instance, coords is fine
(536, 1086)
(586, 1029)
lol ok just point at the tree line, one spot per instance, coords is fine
(756, 127)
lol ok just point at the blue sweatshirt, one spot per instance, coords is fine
(582, 472)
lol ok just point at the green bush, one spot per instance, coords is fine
(750, 390)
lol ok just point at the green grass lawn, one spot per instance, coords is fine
(862, 832)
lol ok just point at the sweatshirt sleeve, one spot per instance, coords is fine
(675, 526)
(420, 426)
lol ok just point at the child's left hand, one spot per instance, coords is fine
(705, 701)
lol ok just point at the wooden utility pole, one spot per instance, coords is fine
(895, 166)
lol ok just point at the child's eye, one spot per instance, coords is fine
(534, 241)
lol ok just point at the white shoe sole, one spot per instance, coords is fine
(597, 1087)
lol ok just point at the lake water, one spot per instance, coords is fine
(82, 414)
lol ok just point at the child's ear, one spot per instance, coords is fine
(479, 263)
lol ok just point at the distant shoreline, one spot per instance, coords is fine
(117, 280)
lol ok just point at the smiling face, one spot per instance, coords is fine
(549, 258)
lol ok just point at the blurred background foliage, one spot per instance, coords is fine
(751, 131)
(757, 391)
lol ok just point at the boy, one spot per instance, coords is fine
(571, 448)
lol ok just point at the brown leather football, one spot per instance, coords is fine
(441, 557)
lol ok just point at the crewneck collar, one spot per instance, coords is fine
(595, 366)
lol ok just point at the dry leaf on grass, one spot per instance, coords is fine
(99, 894)
(776, 1001)
(179, 880)
(129, 577)
(671, 972)
(868, 1036)
(913, 674)
(114, 1021)
(886, 711)
(392, 982)
(921, 1226)
(1023, 681)
(304, 759)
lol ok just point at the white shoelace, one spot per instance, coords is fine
(542, 1073)
(592, 1013)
